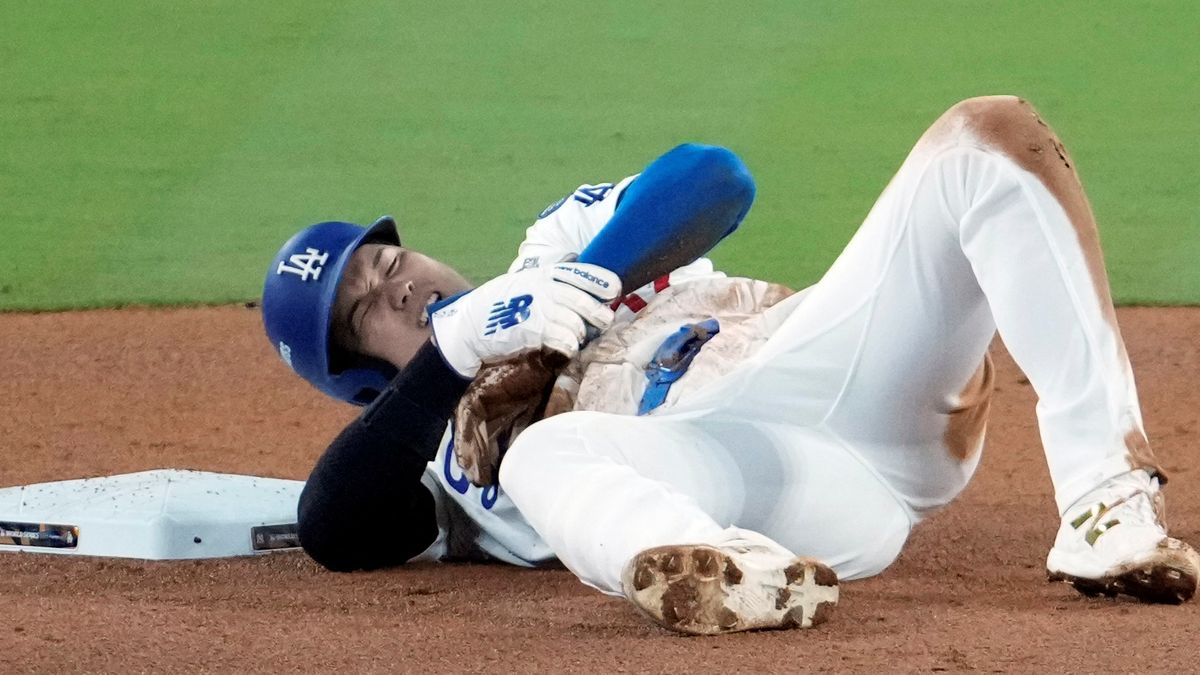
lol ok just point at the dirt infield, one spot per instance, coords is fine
(92, 393)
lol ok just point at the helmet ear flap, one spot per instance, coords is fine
(365, 396)
(374, 374)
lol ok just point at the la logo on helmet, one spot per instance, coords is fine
(307, 265)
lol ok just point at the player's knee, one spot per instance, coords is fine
(999, 117)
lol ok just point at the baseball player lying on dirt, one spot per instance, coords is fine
(683, 449)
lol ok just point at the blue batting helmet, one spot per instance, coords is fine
(297, 302)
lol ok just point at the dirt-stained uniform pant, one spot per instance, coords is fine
(867, 406)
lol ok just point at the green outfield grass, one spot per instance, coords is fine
(160, 152)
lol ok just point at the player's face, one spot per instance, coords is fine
(380, 309)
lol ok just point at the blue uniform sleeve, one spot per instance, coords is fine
(677, 210)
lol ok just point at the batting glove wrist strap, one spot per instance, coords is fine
(547, 307)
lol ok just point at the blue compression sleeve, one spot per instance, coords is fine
(676, 211)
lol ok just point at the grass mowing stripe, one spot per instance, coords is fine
(160, 153)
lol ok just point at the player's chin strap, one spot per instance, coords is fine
(672, 359)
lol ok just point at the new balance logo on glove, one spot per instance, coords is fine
(496, 320)
(580, 272)
(508, 314)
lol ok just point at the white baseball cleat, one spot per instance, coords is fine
(743, 584)
(1114, 540)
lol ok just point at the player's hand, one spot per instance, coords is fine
(547, 307)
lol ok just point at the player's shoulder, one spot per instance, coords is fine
(565, 227)
(586, 196)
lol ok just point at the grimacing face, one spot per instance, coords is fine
(381, 305)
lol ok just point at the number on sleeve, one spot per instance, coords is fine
(590, 194)
(584, 194)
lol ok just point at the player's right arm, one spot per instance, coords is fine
(364, 506)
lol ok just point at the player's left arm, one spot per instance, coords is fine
(564, 228)
(672, 213)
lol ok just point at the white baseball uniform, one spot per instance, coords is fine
(833, 420)
(482, 523)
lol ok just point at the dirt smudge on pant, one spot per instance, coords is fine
(1014, 127)
(968, 419)
(1141, 455)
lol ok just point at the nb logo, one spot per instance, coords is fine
(508, 314)
(307, 265)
